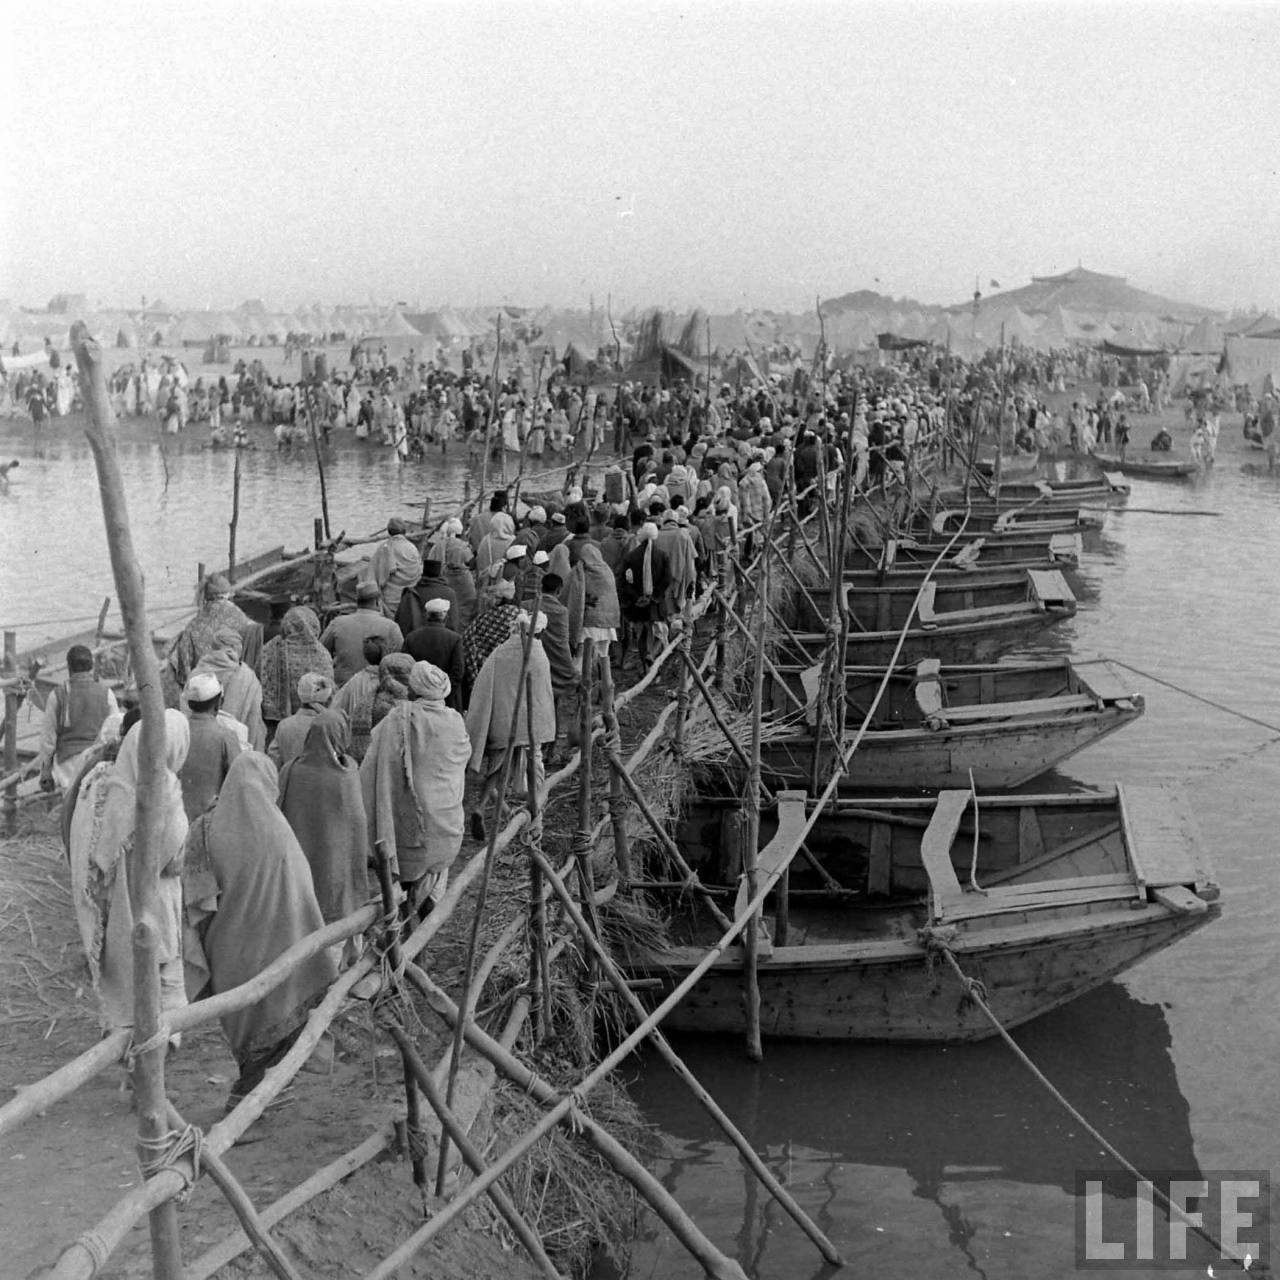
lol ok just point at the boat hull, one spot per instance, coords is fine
(995, 756)
(900, 991)
(1152, 468)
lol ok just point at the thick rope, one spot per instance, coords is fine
(1177, 688)
(166, 1152)
(976, 992)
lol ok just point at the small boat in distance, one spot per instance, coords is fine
(1151, 467)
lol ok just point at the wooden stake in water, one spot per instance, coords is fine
(149, 1033)
(10, 728)
(235, 518)
(751, 935)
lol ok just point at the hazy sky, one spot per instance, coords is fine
(746, 154)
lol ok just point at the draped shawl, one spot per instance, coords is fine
(287, 658)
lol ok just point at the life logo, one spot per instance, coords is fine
(1212, 1223)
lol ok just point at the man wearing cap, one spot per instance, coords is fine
(557, 532)
(431, 586)
(394, 565)
(73, 715)
(436, 643)
(344, 637)
(213, 747)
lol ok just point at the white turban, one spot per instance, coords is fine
(438, 605)
(429, 683)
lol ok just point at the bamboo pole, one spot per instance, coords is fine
(539, 957)
(324, 492)
(581, 846)
(149, 1031)
(473, 940)
(714, 1263)
(613, 745)
(449, 1124)
(682, 697)
(743, 758)
(71, 1075)
(324, 1179)
(493, 406)
(741, 626)
(235, 518)
(751, 936)
(253, 1226)
(11, 702)
(677, 1064)
(721, 595)
(412, 1105)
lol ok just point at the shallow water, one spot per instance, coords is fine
(55, 571)
(934, 1161)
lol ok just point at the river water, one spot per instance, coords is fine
(940, 1161)
(926, 1161)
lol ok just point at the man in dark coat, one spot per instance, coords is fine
(435, 643)
(410, 614)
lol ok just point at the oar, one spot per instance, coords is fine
(1151, 511)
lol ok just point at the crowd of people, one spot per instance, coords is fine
(295, 759)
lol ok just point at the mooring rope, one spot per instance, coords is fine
(977, 992)
(1177, 688)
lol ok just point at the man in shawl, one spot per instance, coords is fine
(241, 692)
(294, 653)
(250, 897)
(592, 600)
(395, 565)
(435, 642)
(412, 779)
(675, 544)
(431, 586)
(321, 799)
(482, 521)
(489, 629)
(642, 584)
(213, 745)
(217, 613)
(73, 714)
(490, 714)
(101, 843)
(314, 693)
(344, 637)
(493, 546)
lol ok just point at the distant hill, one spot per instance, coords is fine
(868, 300)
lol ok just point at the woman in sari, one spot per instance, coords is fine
(320, 797)
(393, 686)
(294, 653)
(490, 628)
(101, 845)
(249, 898)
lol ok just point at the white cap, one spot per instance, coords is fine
(202, 686)
(517, 551)
(438, 605)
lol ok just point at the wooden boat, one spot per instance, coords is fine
(945, 626)
(987, 518)
(1011, 551)
(1074, 890)
(1151, 466)
(1104, 488)
(936, 726)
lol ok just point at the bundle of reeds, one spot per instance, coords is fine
(705, 743)
(566, 1192)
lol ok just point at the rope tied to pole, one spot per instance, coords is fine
(974, 990)
(167, 1152)
(134, 1051)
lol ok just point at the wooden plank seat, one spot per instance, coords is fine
(776, 853)
(1030, 707)
(945, 893)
